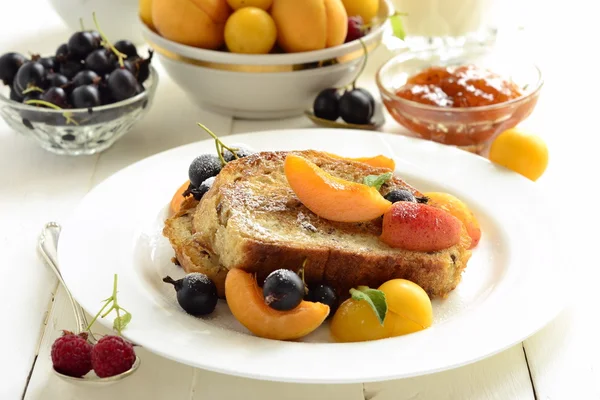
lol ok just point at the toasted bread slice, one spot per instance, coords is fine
(251, 219)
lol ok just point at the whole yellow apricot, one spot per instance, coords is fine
(145, 11)
(250, 30)
(237, 4)
(409, 307)
(367, 9)
(521, 152)
(356, 321)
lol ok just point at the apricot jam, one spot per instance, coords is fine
(463, 86)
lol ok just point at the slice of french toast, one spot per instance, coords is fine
(251, 219)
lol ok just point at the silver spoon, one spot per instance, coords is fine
(47, 245)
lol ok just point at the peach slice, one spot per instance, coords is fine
(178, 198)
(420, 227)
(246, 302)
(460, 210)
(330, 197)
(379, 161)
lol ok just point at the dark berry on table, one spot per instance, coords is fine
(85, 77)
(31, 73)
(81, 44)
(203, 167)
(49, 63)
(241, 152)
(356, 108)
(62, 52)
(369, 95)
(356, 28)
(9, 65)
(56, 96)
(327, 104)
(397, 195)
(283, 290)
(325, 295)
(86, 96)
(111, 356)
(122, 84)
(72, 354)
(143, 67)
(126, 47)
(99, 61)
(70, 68)
(196, 293)
(34, 95)
(57, 80)
(14, 96)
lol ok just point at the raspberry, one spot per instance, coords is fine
(112, 355)
(72, 354)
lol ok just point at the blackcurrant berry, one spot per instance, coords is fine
(397, 195)
(327, 104)
(86, 96)
(9, 65)
(85, 77)
(324, 294)
(99, 61)
(31, 73)
(196, 293)
(356, 107)
(56, 96)
(127, 48)
(70, 68)
(203, 167)
(283, 290)
(81, 44)
(122, 84)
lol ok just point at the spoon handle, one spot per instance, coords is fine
(48, 245)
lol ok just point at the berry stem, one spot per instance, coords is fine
(33, 89)
(97, 315)
(220, 145)
(81, 24)
(364, 64)
(119, 55)
(66, 114)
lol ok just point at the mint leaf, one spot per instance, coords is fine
(121, 322)
(375, 298)
(398, 26)
(377, 181)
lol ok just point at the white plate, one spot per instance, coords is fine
(507, 293)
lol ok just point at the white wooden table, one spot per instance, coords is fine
(559, 362)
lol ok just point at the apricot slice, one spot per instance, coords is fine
(420, 227)
(460, 210)
(246, 302)
(379, 161)
(330, 197)
(178, 198)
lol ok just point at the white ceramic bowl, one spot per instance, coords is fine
(118, 18)
(261, 86)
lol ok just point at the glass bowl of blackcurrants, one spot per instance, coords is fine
(80, 100)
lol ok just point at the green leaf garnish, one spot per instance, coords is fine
(398, 26)
(377, 181)
(375, 298)
(121, 322)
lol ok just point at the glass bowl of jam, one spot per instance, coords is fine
(462, 96)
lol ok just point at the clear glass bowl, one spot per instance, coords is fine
(93, 130)
(470, 128)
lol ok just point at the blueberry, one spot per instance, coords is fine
(283, 290)
(241, 152)
(325, 295)
(327, 104)
(397, 195)
(196, 293)
(356, 107)
(204, 167)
